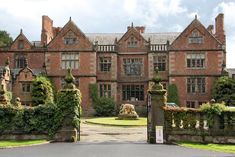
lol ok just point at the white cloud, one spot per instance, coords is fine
(149, 11)
(176, 28)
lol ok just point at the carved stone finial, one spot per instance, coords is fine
(3, 98)
(116, 40)
(132, 25)
(195, 16)
(70, 18)
(21, 31)
(224, 71)
(26, 62)
(7, 63)
(157, 81)
(69, 79)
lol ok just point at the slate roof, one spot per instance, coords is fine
(109, 38)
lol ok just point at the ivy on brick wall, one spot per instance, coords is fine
(103, 106)
(68, 103)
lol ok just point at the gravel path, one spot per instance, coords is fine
(99, 133)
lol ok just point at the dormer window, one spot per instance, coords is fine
(195, 38)
(132, 42)
(21, 44)
(70, 38)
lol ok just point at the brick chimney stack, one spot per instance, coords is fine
(140, 29)
(47, 30)
(219, 28)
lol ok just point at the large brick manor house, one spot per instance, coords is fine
(122, 64)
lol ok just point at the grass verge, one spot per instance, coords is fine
(19, 143)
(113, 122)
(226, 148)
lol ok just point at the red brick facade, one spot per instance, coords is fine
(123, 64)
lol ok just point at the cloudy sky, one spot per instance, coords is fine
(103, 16)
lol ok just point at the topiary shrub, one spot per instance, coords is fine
(104, 106)
(172, 94)
(42, 91)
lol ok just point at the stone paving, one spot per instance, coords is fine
(92, 133)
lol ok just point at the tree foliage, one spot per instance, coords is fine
(224, 90)
(42, 91)
(5, 39)
(173, 94)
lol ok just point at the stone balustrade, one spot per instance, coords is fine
(197, 126)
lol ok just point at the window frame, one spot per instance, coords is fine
(132, 42)
(190, 104)
(70, 40)
(194, 86)
(160, 62)
(20, 61)
(195, 60)
(105, 90)
(105, 64)
(133, 66)
(233, 76)
(67, 61)
(195, 38)
(135, 91)
(26, 87)
(21, 44)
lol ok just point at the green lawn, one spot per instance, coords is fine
(15, 143)
(113, 122)
(214, 147)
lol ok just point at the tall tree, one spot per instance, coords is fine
(224, 90)
(5, 38)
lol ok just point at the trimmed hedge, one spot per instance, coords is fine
(40, 119)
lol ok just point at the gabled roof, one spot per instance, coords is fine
(67, 25)
(134, 32)
(21, 35)
(197, 23)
